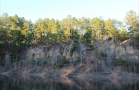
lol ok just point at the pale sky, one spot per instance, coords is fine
(59, 9)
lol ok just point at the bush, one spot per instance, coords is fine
(102, 54)
(120, 62)
(74, 48)
(62, 63)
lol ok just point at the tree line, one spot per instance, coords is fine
(17, 32)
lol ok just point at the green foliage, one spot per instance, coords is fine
(96, 28)
(61, 37)
(137, 38)
(123, 35)
(103, 54)
(133, 24)
(96, 53)
(16, 45)
(74, 48)
(119, 62)
(62, 63)
(87, 38)
(110, 28)
(75, 37)
(64, 60)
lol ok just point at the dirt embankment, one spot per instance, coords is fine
(108, 59)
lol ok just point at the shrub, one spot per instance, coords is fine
(102, 54)
(62, 63)
(119, 62)
(74, 48)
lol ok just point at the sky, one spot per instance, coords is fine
(59, 9)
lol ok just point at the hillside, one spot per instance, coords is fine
(106, 59)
